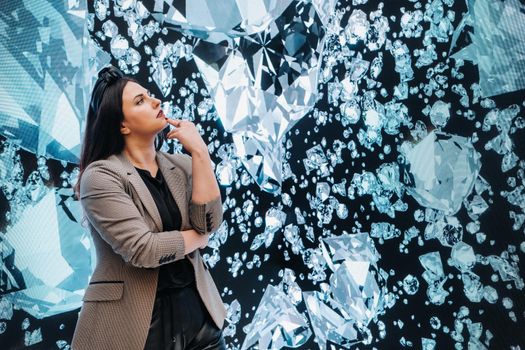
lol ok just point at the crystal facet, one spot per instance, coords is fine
(262, 77)
(443, 169)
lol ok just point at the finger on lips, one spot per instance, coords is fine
(174, 122)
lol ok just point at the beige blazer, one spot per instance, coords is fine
(130, 245)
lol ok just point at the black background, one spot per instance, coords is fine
(415, 314)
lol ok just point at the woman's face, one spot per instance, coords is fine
(141, 112)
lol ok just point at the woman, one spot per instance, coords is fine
(149, 212)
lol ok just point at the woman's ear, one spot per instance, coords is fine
(124, 129)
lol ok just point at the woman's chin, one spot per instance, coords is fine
(163, 127)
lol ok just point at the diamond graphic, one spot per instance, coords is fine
(260, 61)
(276, 323)
(442, 171)
(44, 301)
(498, 44)
(51, 59)
(358, 290)
(54, 257)
(328, 325)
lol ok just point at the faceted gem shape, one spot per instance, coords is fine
(440, 113)
(410, 284)
(62, 244)
(355, 287)
(497, 44)
(463, 256)
(355, 247)
(442, 171)
(162, 73)
(327, 324)
(274, 219)
(434, 276)
(472, 286)
(263, 74)
(44, 301)
(448, 230)
(215, 22)
(276, 323)
(52, 62)
(358, 288)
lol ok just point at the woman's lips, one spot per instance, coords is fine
(161, 114)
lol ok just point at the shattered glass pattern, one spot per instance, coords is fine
(370, 156)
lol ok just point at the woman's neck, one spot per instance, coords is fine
(140, 156)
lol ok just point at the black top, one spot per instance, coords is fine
(178, 273)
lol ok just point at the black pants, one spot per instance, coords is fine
(180, 321)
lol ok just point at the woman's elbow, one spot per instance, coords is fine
(140, 255)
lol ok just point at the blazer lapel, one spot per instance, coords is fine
(142, 190)
(175, 178)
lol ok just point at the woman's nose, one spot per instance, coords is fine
(156, 102)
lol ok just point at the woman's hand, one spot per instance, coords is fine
(193, 240)
(188, 135)
(205, 239)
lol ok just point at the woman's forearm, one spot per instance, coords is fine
(204, 183)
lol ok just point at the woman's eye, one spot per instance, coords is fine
(142, 100)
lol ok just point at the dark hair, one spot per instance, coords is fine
(102, 137)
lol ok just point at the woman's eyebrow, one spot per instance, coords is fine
(141, 94)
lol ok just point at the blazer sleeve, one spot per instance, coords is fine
(206, 217)
(114, 215)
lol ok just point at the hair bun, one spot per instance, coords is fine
(106, 77)
(110, 74)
